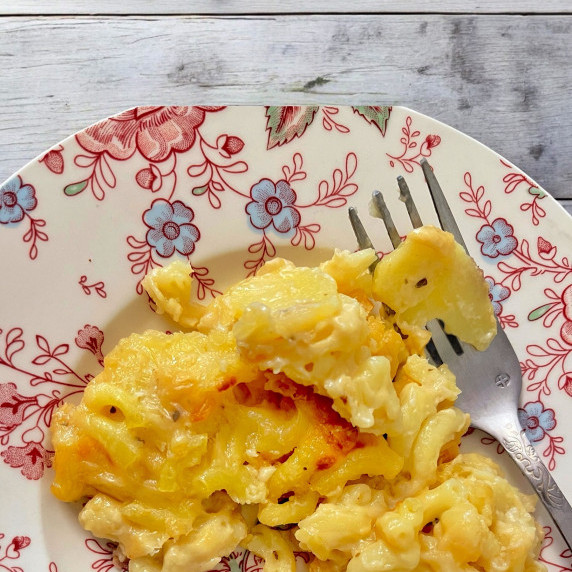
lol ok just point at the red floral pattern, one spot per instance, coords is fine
(91, 338)
(24, 418)
(106, 561)
(516, 180)
(54, 160)
(150, 178)
(12, 406)
(209, 159)
(17, 201)
(413, 150)
(32, 459)
(211, 175)
(11, 552)
(154, 131)
(565, 561)
(144, 130)
(284, 123)
(329, 122)
(551, 360)
(97, 287)
(286, 217)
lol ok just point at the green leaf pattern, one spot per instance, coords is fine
(285, 122)
(75, 188)
(378, 115)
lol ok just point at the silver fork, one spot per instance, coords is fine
(490, 380)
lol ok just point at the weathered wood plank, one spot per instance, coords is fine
(502, 79)
(133, 7)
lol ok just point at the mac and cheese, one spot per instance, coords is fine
(296, 412)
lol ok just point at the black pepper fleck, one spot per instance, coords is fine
(398, 330)
(389, 311)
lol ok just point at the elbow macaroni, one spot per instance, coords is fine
(297, 414)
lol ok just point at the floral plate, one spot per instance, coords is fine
(230, 188)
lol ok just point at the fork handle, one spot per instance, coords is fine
(508, 432)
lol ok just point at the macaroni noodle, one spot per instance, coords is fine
(296, 412)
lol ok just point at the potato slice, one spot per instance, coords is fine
(430, 276)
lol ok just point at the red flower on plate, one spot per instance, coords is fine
(432, 141)
(91, 338)
(156, 131)
(150, 178)
(565, 382)
(18, 543)
(54, 160)
(566, 332)
(229, 145)
(32, 459)
(12, 406)
(545, 248)
(567, 301)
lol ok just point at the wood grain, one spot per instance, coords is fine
(140, 7)
(502, 79)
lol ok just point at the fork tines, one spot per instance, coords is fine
(378, 209)
(446, 218)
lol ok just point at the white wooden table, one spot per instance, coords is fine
(499, 70)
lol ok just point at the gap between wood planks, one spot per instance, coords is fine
(180, 8)
(262, 14)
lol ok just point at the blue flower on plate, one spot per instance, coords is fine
(497, 293)
(273, 204)
(535, 420)
(16, 199)
(497, 238)
(170, 228)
